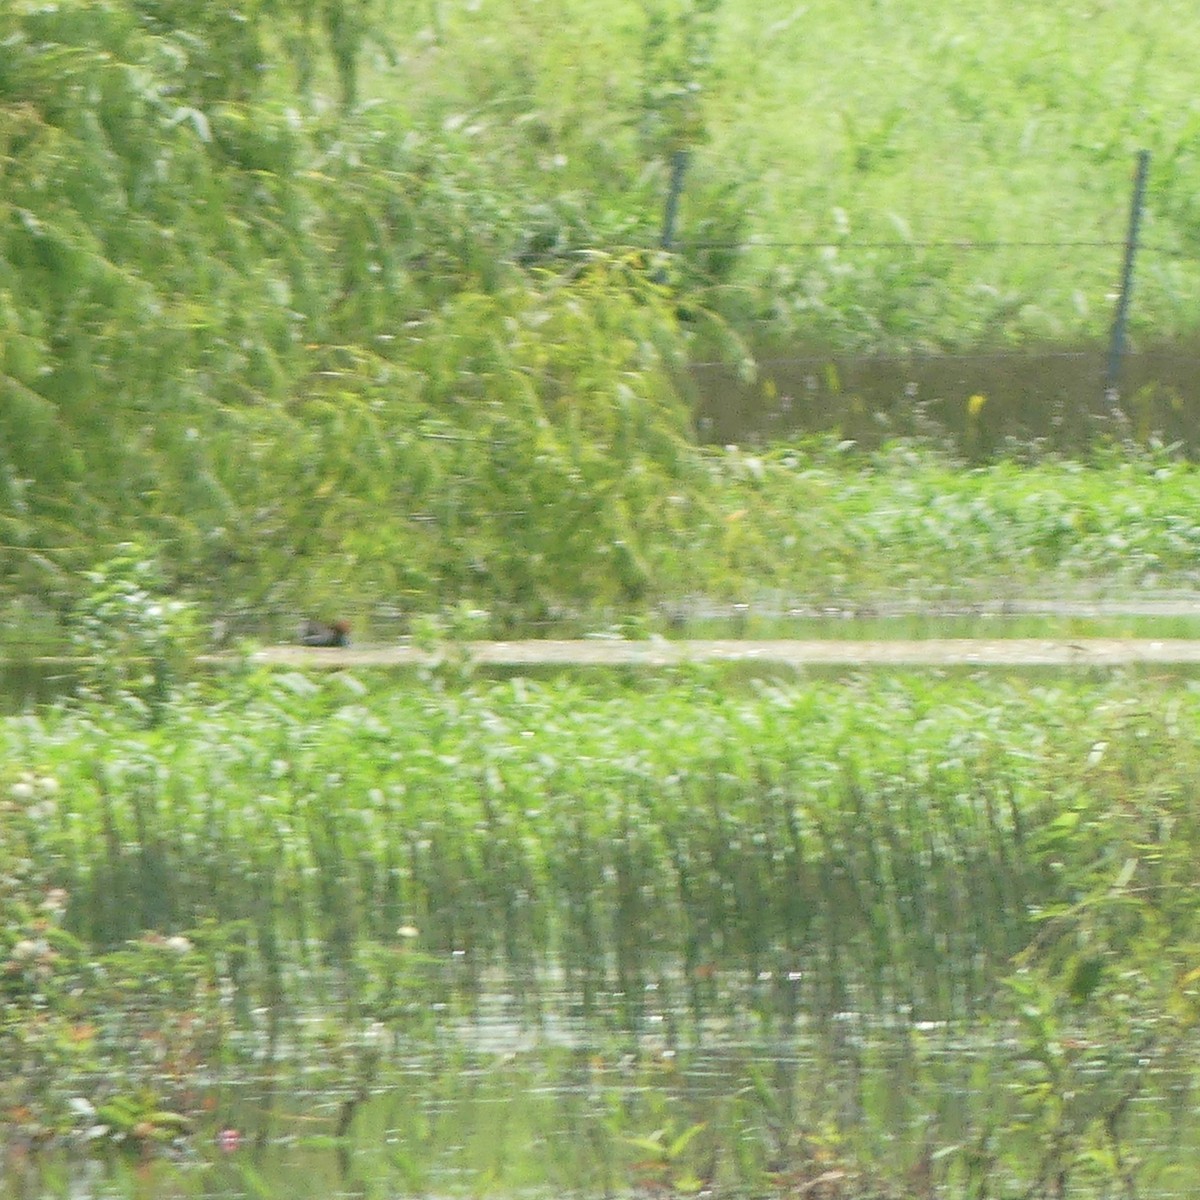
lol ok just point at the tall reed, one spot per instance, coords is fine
(878, 844)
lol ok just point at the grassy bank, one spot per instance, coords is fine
(812, 525)
(897, 138)
(357, 313)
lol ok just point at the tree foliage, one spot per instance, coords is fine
(303, 351)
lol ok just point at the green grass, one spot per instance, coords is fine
(806, 526)
(289, 869)
(887, 839)
(325, 335)
(907, 122)
(819, 525)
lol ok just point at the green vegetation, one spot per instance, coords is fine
(813, 524)
(358, 307)
(276, 864)
(531, 825)
(616, 833)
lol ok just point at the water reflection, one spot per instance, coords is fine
(985, 403)
(489, 1108)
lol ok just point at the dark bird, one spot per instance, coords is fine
(325, 633)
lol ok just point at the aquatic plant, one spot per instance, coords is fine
(330, 869)
(798, 848)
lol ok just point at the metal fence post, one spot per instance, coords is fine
(1116, 346)
(679, 162)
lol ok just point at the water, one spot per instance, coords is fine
(1051, 619)
(29, 681)
(1053, 396)
(612, 1120)
(489, 1108)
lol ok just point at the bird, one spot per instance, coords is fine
(325, 633)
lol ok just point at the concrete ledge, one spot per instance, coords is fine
(930, 652)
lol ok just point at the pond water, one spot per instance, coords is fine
(493, 1108)
(1053, 395)
(999, 619)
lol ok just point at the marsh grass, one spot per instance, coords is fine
(819, 521)
(878, 844)
(966, 897)
(811, 525)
